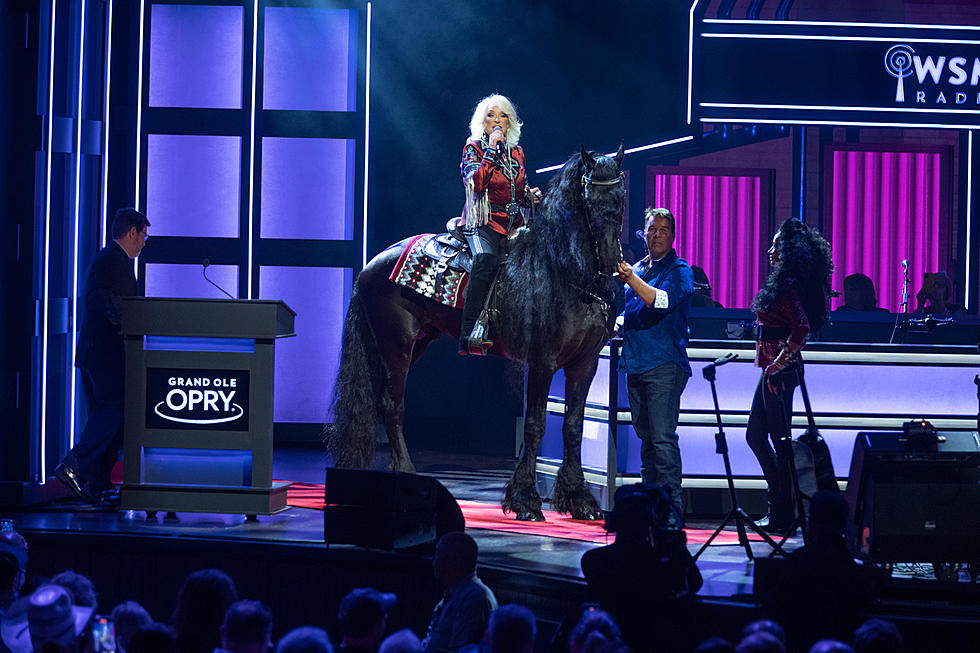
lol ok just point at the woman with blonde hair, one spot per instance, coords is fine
(495, 182)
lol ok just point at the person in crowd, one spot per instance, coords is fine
(13, 567)
(702, 289)
(305, 639)
(128, 618)
(512, 629)
(644, 578)
(794, 301)
(859, 294)
(86, 469)
(830, 646)
(596, 632)
(765, 626)
(202, 601)
(80, 586)
(363, 618)
(247, 628)
(878, 636)
(47, 620)
(401, 641)
(760, 642)
(935, 297)
(654, 357)
(155, 638)
(715, 645)
(496, 188)
(462, 615)
(823, 591)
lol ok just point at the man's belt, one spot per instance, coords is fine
(773, 333)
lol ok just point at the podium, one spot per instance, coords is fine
(199, 397)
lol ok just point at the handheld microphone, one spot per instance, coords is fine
(905, 263)
(204, 271)
(500, 145)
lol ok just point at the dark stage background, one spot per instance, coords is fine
(579, 72)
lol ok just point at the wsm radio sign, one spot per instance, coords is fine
(932, 79)
(197, 399)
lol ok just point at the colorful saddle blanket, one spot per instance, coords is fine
(429, 267)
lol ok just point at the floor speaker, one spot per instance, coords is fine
(916, 504)
(387, 510)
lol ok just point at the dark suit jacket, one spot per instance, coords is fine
(100, 346)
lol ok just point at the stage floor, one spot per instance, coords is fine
(727, 571)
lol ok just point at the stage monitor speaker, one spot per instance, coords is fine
(387, 510)
(916, 504)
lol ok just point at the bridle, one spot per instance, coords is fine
(587, 183)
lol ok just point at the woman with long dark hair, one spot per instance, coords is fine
(794, 302)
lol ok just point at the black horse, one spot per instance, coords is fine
(554, 312)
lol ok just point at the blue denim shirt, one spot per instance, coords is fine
(652, 336)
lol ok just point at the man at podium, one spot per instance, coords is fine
(87, 467)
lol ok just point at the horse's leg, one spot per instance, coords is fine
(521, 496)
(572, 495)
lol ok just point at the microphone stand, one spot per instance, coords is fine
(903, 312)
(736, 513)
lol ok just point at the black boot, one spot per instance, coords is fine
(477, 288)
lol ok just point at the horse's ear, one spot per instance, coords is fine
(588, 159)
(619, 156)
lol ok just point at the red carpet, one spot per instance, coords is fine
(490, 517)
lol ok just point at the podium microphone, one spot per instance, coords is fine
(204, 271)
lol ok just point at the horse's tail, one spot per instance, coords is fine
(358, 393)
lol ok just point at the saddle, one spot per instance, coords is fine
(449, 250)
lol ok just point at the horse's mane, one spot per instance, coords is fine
(548, 260)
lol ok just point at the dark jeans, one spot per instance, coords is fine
(655, 400)
(769, 420)
(97, 448)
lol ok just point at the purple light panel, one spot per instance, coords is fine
(186, 280)
(308, 188)
(885, 208)
(310, 59)
(306, 365)
(193, 184)
(196, 56)
(719, 228)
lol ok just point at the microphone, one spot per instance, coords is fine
(204, 271)
(905, 263)
(721, 360)
(500, 145)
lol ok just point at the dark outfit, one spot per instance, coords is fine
(643, 587)
(101, 361)
(770, 417)
(822, 593)
(655, 361)
(496, 189)
(461, 617)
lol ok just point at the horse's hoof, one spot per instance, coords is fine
(530, 515)
(588, 514)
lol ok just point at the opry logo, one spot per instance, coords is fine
(949, 76)
(181, 398)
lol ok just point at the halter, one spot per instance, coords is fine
(588, 182)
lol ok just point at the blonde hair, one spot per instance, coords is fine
(505, 105)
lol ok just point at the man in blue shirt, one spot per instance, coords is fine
(655, 335)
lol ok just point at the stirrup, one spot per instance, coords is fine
(477, 344)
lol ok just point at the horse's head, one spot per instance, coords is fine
(604, 196)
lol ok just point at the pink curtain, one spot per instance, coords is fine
(885, 207)
(720, 227)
